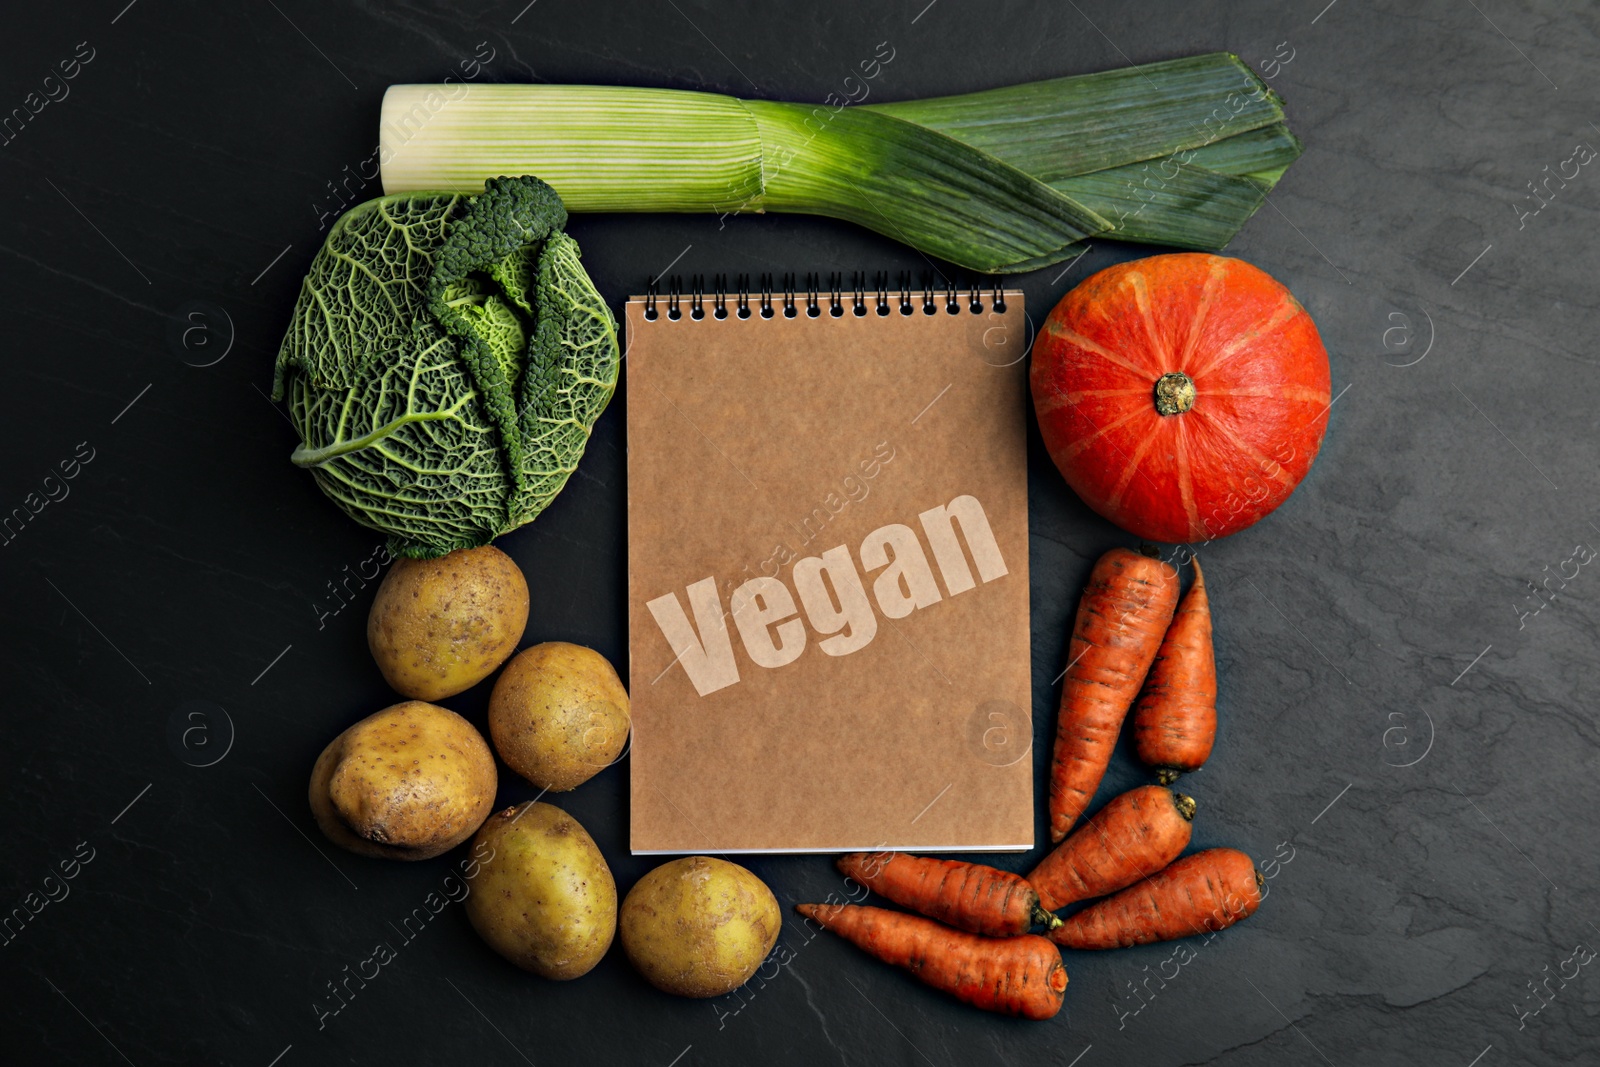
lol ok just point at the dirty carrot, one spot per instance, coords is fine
(1123, 614)
(1132, 837)
(1011, 975)
(1209, 890)
(969, 896)
(1175, 719)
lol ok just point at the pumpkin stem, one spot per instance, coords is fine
(1174, 393)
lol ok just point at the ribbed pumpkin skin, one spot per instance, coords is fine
(1261, 394)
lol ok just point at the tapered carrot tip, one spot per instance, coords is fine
(1185, 805)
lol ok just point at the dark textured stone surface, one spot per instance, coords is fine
(190, 562)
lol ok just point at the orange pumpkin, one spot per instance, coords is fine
(1183, 397)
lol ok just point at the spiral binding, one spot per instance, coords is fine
(839, 299)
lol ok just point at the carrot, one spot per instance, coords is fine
(1175, 719)
(968, 896)
(1209, 890)
(1132, 837)
(1121, 618)
(1012, 975)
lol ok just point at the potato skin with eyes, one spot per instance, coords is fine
(440, 626)
(699, 926)
(559, 715)
(409, 782)
(546, 901)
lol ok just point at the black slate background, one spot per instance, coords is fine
(1415, 746)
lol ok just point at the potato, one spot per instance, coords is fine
(558, 715)
(441, 626)
(699, 927)
(408, 782)
(543, 896)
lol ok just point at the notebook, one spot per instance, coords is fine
(828, 571)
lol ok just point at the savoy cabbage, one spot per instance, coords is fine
(446, 360)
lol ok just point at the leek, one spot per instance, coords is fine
(1180, 152)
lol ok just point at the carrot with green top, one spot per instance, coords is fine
(968, 896)
(1175, 719)
(1132, 837)
(1121, 619)
(1011, 975)
(1207, 891)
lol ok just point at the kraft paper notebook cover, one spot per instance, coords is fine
(828, 573)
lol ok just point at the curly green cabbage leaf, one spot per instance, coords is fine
(447, 359)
